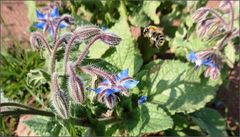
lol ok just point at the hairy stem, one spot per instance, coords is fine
(98, 72)
(84, 53)
(12, 104)
(53, 55)
(232, 16)
(56, 31)
(27, 112)
(38, 34)
(67, 50)
(217, 15)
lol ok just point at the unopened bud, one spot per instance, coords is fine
(68, 19)
(87, 32)
(110, 38)
(76, 87)
(60, 103)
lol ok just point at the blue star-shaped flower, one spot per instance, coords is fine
(142, 100)
(122, 82)
(192, 57)
(49, 21)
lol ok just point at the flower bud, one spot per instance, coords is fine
(68, 19)
(75, 85)
(60, 103)
(110, 38)
(199, 15)
(87, 32)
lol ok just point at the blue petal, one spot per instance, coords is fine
(207, 62)
(123, 74)
(40, 25)
(106, 81)
(110, 91)
(63, 25)
(192, 56)
(104, 28)
(54, 12)
(50, 31)
(40, 15)
(142, 100)
(98, 90)
(129, 84)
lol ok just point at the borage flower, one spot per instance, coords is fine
(207, 59)
(108, 90)
(48, 22)
(199, 59)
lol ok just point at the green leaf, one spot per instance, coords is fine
(44, 126)
(177, 86)
(152, 119)
(210, 121)
(127, 54)
(139, 19)
(229, 52)
(150, 8)
(31, 10)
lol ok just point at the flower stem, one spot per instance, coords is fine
(38, 34)
(84, 53)
(218, 15)
(232, 16)
(27, 112)
(12, 104)
(98, 72)
(67, 50)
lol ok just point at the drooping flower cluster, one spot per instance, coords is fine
(212, 24)
(108, 90)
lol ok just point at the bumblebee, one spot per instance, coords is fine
(155, 34)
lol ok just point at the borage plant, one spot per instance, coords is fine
(129, 88)
(68, 101)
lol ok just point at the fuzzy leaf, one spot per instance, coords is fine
(44, 126)
(210, 121)
(229, 52)
(177, 86)
(31, 10)
(127, 54)
(150, 8)
(152, 119)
